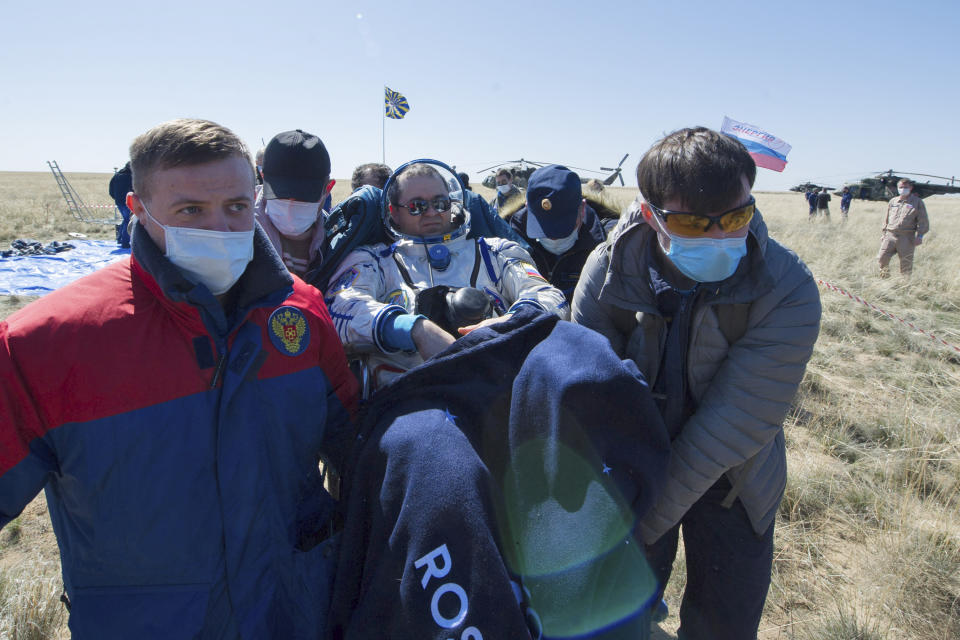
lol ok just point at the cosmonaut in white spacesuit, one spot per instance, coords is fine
(404, 302)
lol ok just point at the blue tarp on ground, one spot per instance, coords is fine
(39, 275)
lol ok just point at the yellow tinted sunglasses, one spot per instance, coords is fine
(697, 224)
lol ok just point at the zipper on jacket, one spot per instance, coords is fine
(220, 364)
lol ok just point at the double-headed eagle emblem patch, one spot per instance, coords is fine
(289, 331)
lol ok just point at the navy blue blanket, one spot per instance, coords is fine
(494, 490)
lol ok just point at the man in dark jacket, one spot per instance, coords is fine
(823, 203)
(120, 185)
(722, 320)
(558, 225)
(518, 521)
(845, 197)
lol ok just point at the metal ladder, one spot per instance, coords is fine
(75, 203)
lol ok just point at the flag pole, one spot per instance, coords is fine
(383, 128)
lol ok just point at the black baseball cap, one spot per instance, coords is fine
(296, 166)
(553, 202)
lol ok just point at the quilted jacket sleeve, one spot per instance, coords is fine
(743, 408)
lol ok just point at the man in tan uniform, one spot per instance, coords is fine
(903, 228)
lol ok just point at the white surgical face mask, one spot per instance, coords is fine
(503, 189)
(903, 190)
(292, 217)
(215, 259)
(560, 246)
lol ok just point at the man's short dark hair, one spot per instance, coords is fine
(417, 169)
(697, 166)
(905, 181)
(504, 172)
(371, 173)
(182, 142)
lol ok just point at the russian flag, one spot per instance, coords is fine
(768, 151)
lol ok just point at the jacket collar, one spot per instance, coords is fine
(265, 282)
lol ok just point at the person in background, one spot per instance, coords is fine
(845, 198)
(183, 483)
(465, 180)
(721, 320)
(372, 173)
(258, 165)
(811, 196)
(823, 203)
(120, 185)
(559, 226)
(904, 226)
(506, 190)
(296, 183)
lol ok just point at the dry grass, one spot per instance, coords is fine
(31, 206)
(868, 535)
(30, 607)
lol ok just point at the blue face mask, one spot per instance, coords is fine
(706, 259)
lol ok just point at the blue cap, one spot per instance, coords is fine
(553, 202)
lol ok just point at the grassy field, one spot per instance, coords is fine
(868, 535)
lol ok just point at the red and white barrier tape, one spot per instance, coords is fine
(834, 287)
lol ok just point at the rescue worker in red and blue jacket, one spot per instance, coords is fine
(174, 406)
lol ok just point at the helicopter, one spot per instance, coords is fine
(804, 187)
(883, 186)
(522, 170)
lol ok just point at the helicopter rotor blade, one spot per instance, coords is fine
(570, 166)
(622, 183)
(907, 173)
(491, 167)
(609, 180)
(623, 159)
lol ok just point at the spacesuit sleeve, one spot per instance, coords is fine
(354, 299)
(519, 281)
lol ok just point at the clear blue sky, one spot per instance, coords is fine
(854, 87)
